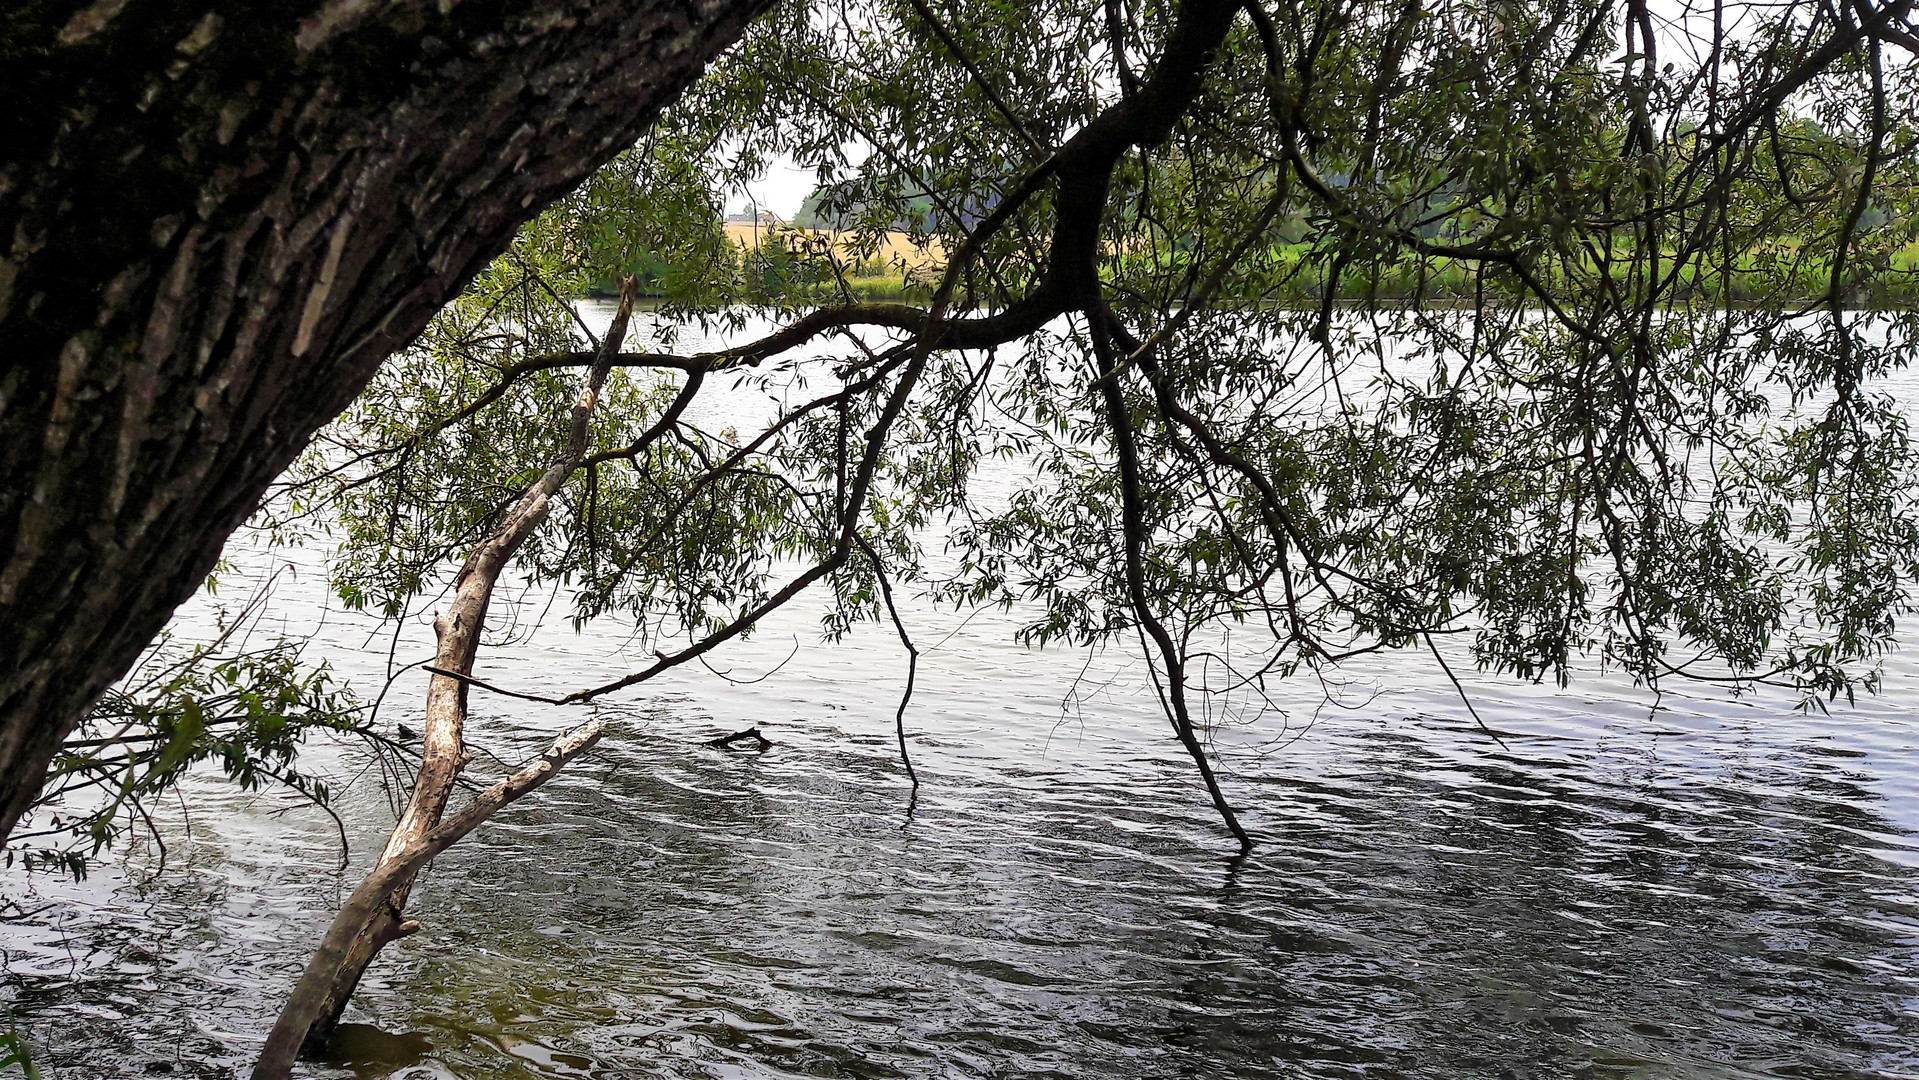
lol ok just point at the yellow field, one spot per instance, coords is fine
(896, 249)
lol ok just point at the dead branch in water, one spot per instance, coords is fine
(375, 915)
(752, 734)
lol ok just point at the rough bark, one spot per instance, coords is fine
(214, 225)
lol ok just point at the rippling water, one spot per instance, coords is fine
(1716, 887)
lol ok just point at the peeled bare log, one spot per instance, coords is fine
(443, 753)
(213, 227)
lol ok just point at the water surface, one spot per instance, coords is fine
(1702, 886)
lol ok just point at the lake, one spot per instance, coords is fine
(1619, 886)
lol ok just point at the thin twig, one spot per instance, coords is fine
(912, 659)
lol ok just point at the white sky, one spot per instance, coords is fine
(781, 190)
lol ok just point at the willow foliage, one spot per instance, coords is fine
(1561, 324)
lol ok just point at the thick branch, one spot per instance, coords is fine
(1134, 528)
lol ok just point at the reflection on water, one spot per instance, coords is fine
(1719, 888)
(365, 1048)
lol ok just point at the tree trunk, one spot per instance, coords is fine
(212, 230)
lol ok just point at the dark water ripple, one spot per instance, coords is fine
(1714, 900)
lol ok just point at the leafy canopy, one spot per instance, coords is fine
(1341, 324)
